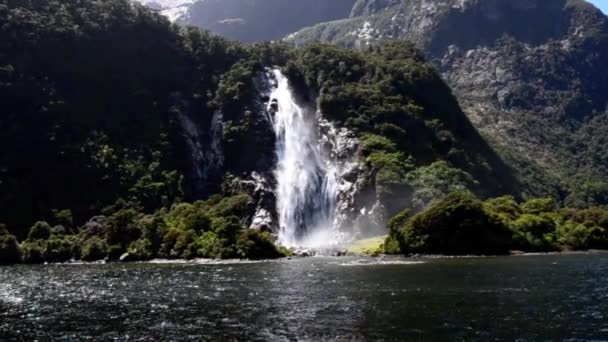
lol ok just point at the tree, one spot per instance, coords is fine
(41, 230)
(534, 233)
(10, 251)
(456, 225)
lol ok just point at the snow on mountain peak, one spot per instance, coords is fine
(172, 9)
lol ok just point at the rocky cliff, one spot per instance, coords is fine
(529, 74)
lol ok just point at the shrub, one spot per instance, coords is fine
(398, 221)
(504, 207)
(230, 206)
(152, 231)
(65, 218)
(392, 245)
(539, 205)
(573, 236)
(256, 245)
(373, 143)
(10, 251)
(226, 227)
(534, 233)
(33, 251)
(41, 230)
(437, 180)
(141, 250)
(184, 246)
(121, 229)
(395, 224)
(197, 221)
(59, 249)
(58, 230)
(169, 240)
(227, 230)
(94, 249)
(208, 245)
(456, 225)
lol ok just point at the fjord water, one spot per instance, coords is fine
(555, 297)
(306, 177)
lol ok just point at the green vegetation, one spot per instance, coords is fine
(204, 229)
(92, 95)
(95, 161)
(412, 131)
(10, 251)
(456, 225)
(372, 246)
(553, 107)
(462, 224)
(91, 92)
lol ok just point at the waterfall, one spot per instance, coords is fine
(307, 187)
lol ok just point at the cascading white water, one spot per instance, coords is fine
(307, 187)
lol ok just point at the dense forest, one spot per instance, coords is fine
(94, 161)
(90, 91)
(461, 224)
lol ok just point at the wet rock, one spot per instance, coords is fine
(127, 257)
(274, 105)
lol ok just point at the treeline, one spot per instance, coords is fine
(204, 229)
(461, 224)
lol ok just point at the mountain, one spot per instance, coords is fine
(114, 115)
(530, 75)
(251, 20)
(174, 10)
(260, 20)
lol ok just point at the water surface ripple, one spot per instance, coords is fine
(554, 297)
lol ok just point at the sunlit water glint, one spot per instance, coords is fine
(311, 299)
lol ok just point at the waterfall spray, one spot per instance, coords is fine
(307, 187)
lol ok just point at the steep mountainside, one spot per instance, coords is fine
(110, 110)
(530, 74)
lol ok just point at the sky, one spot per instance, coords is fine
(602, 4)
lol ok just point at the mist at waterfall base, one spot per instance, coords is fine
(306, 175)
(524, 298)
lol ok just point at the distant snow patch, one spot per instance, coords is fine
(172, 9)
(365, 34)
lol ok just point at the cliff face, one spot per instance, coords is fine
(529, 74)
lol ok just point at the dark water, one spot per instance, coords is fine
(315, 299)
